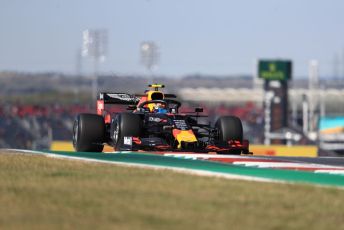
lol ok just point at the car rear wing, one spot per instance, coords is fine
(119, 98)
(114, 98)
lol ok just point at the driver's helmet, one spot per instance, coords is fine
(159, 108)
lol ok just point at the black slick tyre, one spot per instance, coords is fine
(229, 128)
(88, 133)
(125, 124)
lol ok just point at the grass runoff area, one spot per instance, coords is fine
(38, 192)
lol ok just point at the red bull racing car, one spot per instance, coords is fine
(155, 124)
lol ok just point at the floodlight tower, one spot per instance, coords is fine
(94, 45)
(150, 56)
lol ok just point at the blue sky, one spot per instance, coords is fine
(220, 37)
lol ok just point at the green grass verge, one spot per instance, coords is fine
(37, 192)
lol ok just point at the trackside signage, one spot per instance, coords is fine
(274, 70)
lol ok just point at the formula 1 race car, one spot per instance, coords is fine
(155, 124)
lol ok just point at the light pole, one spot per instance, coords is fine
(150, 56)
(94, 45)
(313, 87)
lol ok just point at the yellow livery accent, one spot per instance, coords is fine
(184, 135)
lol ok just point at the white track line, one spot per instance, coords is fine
(178, 170)
(283, 165)
(145, 166)
(205, 156)
(335, 172)
(182, 170)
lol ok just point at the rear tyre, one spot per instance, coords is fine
(88, 133)
(230, 128)
(125, 124)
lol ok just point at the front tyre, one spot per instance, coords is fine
(230, 129)
(125, 124)
(88, 133)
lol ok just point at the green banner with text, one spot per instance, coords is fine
(275, 70)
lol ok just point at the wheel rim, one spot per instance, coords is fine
(116, 133)
(75, 133)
